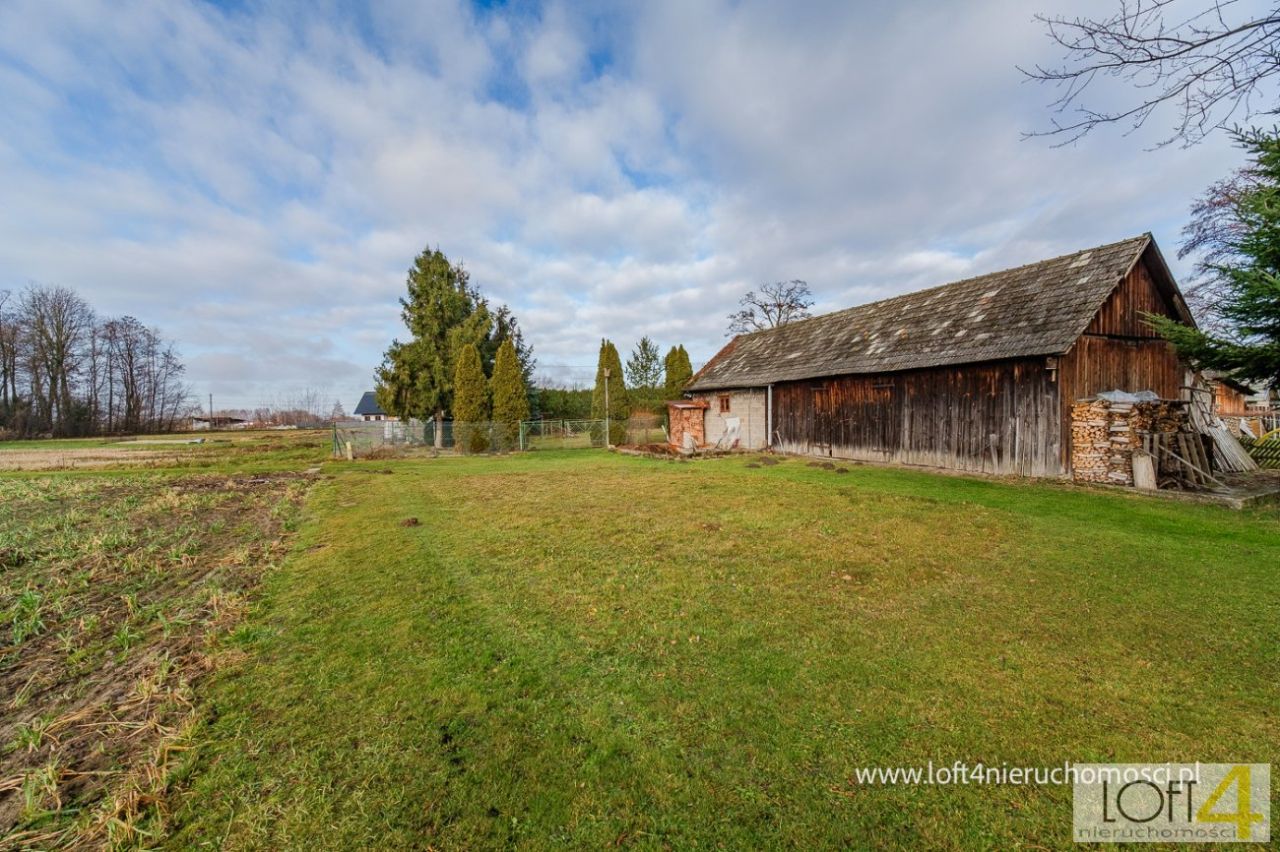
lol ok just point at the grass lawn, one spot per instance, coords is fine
(577, 649)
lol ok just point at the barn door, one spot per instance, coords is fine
(820, 440)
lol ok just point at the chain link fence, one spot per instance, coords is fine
(357, 438)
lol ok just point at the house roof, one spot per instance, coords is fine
(368, 404)
(1229, 381)
(1038, 309)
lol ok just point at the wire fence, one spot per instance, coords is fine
(355, 438)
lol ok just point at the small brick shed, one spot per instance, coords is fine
(687, 417)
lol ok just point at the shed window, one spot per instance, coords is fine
(724, 403)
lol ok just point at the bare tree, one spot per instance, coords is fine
(171, 399)
(64, 372)
(8, 355)
(1210, 60)
(776, 304)
(1213, 236)
(57, 324)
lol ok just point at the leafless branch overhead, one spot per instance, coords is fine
(1210, 62)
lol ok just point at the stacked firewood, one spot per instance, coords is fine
(1105, 434)
(1161, 416)
(1092, 456)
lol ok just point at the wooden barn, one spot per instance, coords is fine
(978, 375)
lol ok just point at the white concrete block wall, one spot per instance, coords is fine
(749, 406)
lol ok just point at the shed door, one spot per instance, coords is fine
(820, 440)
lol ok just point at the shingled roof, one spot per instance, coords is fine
(368, 404)
(1037, 309)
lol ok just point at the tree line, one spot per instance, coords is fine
(65, 371)
(463, 359)
(644, 385)
(467, 361)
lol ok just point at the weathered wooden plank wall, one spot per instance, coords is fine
(1228, 400)
(1104, 363)
(1119, 351)
(998, 417)
(1122, 314)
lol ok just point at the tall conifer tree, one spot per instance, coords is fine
(678, 371)
(619, 402)
(510, 399)
(443, 315)
(1236, 227)
(470, 402)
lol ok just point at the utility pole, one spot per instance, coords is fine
(606, 408)
(211, 409)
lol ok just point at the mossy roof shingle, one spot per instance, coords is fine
(1037, 309)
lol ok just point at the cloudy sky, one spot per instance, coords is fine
(256, 178)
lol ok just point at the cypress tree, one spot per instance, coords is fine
(619, 402)
(510, 402)
(470, 402)
(678, 371)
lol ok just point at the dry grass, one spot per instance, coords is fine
(116, 597)
(79, 459)
(222, 451)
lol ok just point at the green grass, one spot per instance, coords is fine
(581, 650)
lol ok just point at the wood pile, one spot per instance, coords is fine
(1160, 416)
(1105, 436)
(1228, 453)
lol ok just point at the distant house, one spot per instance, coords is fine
(202, 422)
(1244, 410)
(977, 375)
(368, 408)
(1233, 398)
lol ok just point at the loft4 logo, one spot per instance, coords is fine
(1172, 803)
(1242, 816)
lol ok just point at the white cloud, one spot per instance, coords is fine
(257, 182)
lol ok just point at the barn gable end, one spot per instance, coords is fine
(1119, 350)
(1137, 294)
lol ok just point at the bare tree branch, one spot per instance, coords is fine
(1213, 67)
